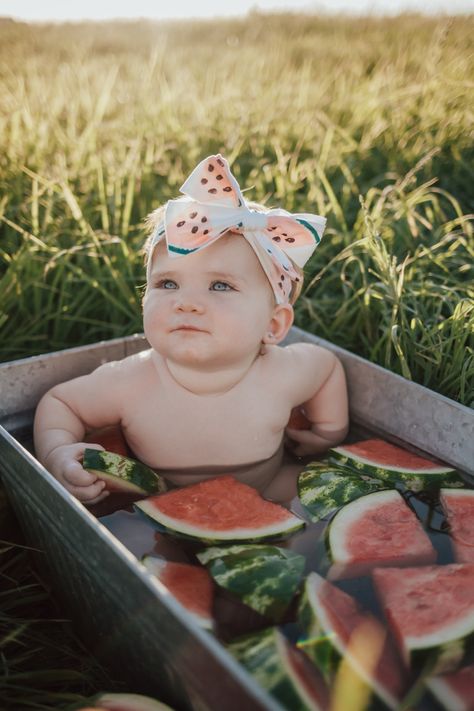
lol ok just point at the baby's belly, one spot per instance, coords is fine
(257, 474)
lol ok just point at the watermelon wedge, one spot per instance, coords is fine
(430, 610)
(189, 584)
(124, 702)
(220, 510)
(455, 691)
(458, 506)
(375, 530)
(323, 488)
(122, 474)
(282, 670)
(385, 461)
(336, 629)
(264, 577)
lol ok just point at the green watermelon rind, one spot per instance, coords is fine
(325, 649)
(323, 488)
(166, 524)
(337, 565)
(127, 475)
(264, 656)
(412, 479)
(264, 577)
(443, 649)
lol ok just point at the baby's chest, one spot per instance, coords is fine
(230, 422)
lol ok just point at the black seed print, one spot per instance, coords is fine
(204, 181)
(297, 278)
(210, 168)
(289, 239)
(194, 229)
(284, 234)
(221, 162)
(273, 228)
(180, 224)
(213, 191)
(228, 189)
(193, 215)
(203, 219)
(276, 239)
(219, 177)
(206, 232)
(282, 277)
(280, 285)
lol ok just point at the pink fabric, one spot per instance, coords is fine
(214, 205)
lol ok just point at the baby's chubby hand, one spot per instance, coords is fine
(64, 463)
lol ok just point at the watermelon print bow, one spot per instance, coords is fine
(213, 205)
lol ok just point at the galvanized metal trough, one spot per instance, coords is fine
(125, 616)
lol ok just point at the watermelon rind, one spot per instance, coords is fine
(264, 577)
(412, 478)
(444, 690)
(156, 566)
(126, 702)
(121, 473)
(340, 561)
(323, 488)
(266, 657)
(209, 536)
(325, 647)
(445, 647)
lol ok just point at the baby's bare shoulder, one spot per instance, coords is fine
(304, 367)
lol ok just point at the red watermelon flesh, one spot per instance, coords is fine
(374, 530)
(220, 509)
(381, 453)
(191, 585)
(110, 438)
(309, 682)
(455, 691)
(427, 607)
(340, 616)
(458, 505)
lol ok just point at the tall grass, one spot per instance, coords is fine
(366, 121)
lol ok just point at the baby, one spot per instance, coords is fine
(213, 394)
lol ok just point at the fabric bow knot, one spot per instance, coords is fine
(213, 205)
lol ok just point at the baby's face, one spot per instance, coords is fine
(210, 308)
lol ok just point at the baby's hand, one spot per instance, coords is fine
(318, 439)
(64, 463)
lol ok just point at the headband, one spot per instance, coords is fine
(214, 205)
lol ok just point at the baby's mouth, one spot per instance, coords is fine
(188, 327)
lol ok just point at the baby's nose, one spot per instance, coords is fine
(187, 304)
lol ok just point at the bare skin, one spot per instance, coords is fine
(213, 393)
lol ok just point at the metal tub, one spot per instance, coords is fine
(127, 618)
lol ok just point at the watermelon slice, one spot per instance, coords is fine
(220, 510)
(323, 488)
(110, 438)
(282, 670)
(376, 530)
(458, 505)
(455, 691)
(264, 577)
(124, 702)
(430, 610)
(190, 585)
(383, 460)
(122, 474)
(334, 627)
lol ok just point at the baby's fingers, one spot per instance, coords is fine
(89, 494)
(75, 475)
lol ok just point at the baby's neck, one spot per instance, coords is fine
(201, 381)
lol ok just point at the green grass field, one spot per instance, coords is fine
(365, 121)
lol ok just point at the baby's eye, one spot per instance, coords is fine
(221, 286)
(166, 284)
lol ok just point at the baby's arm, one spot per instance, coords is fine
(327, 408)
(63, 416)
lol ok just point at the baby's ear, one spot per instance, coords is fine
(280, 324)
